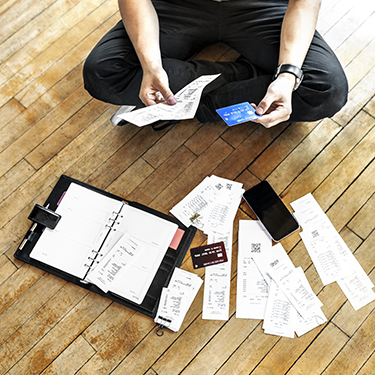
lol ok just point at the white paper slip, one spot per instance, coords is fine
(187, 103)
(280, 315)
(331, 256)
(297, 289)
(211, 206)
(176, 299)
(108, 270)
(357, 291)
(217, 280)
(252, 287)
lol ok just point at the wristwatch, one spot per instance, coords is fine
(292, 69)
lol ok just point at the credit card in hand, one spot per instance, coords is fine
(237, 113)
(208, 255)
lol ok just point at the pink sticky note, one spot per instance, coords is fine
(176, 239)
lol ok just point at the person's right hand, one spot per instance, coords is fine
(155, 87)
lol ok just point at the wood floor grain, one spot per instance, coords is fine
(49, 126)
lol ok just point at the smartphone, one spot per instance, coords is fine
(271, 211)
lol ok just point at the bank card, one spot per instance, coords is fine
(237, 113)
(208, 255)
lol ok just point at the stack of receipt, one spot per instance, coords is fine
(176, 299)
(211, 207)
(332, 258)
(269, 287)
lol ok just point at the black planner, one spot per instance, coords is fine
(80, 226)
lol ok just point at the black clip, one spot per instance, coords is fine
(44, 216)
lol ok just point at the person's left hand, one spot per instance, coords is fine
(276, 106)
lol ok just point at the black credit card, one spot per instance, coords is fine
(208, 255)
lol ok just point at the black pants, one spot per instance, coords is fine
(112, 72)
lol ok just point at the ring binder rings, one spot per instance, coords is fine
(70, 251)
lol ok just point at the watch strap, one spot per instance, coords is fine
(292, 69)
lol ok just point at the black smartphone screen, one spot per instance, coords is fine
(271, 211)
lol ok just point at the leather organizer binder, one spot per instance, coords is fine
(49, 248)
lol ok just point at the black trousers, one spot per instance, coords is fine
(112, 72)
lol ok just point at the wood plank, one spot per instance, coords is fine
(15, 177)
(126, 183)
(116, 164)
(72, 359)
(9, 111)
(282, 352)
(250, 353)
(153, 346)
(63, 66)
(118, 345)
(46, 39)
(363, 63)
(107, 324)
(354, 355)
(42, 129)
(18, 313)
(247, 151)
(16, 285)
(235, 135)
(162, 176)
(61, 335)
(51, 171)
(370, 106)
(102, 147)
(321, 352)
(40, 322)
(69, 130)
(360, 25)
(303, 155)
(369, 366)
(12, 18)
(353, 199)
(360, 223)
(7, 268)
(352, 32)
(170, 142)
(32, 114)
(327, 161)
(192, 176)
(362, 92)
(32, 29)
(331, 12)
(14, 81)
(205, 136)
(280, 148)
(192, 341)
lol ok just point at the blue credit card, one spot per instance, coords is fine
(237, 113)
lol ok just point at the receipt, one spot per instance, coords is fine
(187, 104)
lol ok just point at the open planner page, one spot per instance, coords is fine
(152, 235)
(85, 219)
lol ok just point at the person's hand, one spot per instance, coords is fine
(155, 87)
(276, 106)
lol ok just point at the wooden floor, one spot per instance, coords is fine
(50, 126)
